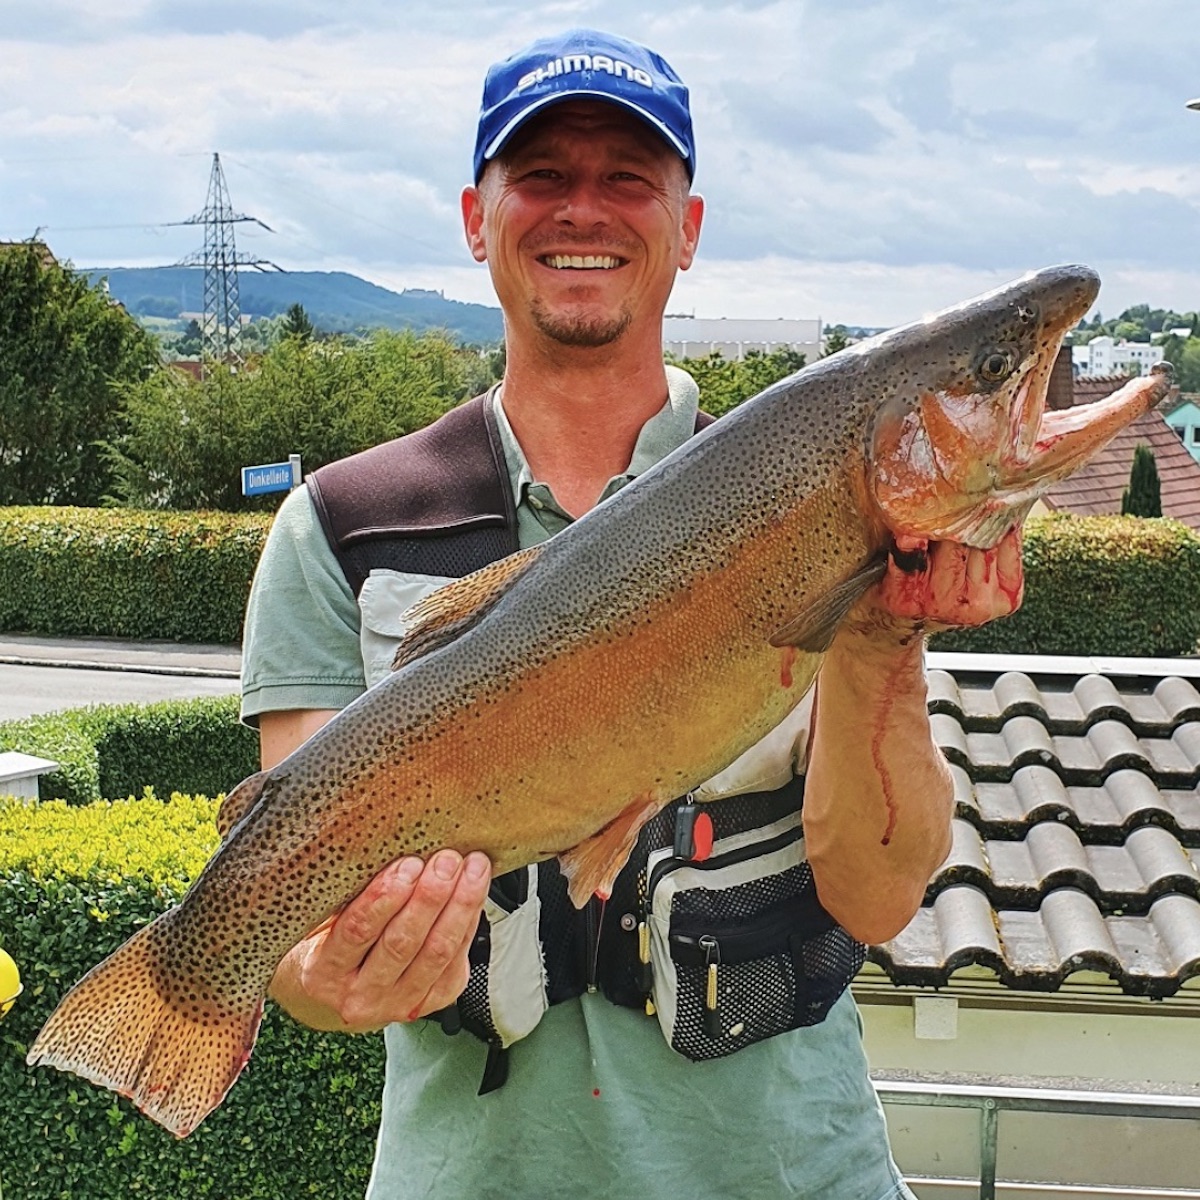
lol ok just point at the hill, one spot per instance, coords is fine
(334, 300)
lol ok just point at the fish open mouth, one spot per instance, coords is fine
(968, 457)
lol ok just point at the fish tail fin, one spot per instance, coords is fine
(117, 1029)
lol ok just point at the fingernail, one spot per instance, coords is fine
(477, 867)
(409, 871)
(447, 864)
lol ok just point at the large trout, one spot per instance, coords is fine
(676, 624)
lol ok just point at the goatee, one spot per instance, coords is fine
(579, 330)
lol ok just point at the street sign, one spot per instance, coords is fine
(271, 477)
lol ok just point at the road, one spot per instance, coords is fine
(39, 675)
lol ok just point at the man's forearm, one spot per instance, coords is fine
(878, 794)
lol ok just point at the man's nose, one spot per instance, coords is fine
(583, 203)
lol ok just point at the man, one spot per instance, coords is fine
(583, 212)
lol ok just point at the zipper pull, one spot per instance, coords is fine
(712, 998)
(646, 974)
(693, 831)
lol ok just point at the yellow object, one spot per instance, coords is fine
(10, 983)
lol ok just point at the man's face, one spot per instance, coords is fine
(583, 221)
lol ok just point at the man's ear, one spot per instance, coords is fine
(472, 214)
(693, 217)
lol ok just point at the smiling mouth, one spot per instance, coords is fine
(581, 262)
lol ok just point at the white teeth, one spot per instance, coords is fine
(581, 262)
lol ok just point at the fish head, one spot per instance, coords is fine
(961, 445)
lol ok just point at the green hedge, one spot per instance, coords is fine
(74, 884)
(115, 572)
(1127, 586)
(1095, 585)
(119, 749)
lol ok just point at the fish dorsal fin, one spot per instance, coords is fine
(239, 802)
(450, 611)
(813, 628)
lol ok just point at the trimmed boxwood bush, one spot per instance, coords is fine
(119, 749)
(1095, 585)
(74, 884)
(1125, 586)
(114, 572)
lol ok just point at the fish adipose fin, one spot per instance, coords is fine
(450, 611)
(812, 629)
(115, 1028)
(593, 865)
(239, 802)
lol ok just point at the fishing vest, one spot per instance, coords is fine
(713, 926)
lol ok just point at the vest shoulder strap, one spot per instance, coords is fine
(434, 502)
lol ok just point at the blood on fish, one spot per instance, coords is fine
(785, 667)
(877, 756)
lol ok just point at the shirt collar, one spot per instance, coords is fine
(667, 429)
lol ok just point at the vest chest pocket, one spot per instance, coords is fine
(383, 604)
(740, 947)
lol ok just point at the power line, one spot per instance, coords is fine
(222, 323)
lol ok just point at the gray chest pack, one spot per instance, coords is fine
(713, 926)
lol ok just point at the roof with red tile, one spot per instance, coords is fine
(1095, 489)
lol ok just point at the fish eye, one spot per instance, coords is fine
(996, 366)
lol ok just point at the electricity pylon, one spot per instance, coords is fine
(222, 323)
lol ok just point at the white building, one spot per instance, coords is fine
(695, 337)
(1106, 356)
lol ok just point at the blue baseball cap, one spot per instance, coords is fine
(590, 64)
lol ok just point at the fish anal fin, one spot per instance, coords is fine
(239, 802)
(450, 611)
(813, 628)
(592, 866)
(175, 1061)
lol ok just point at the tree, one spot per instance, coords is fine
(296, 324)
(187, 438)
(1142, 498)
(1184, 355)
(725, 382)
(66, 350)
(836, 339)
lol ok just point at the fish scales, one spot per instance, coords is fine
(557, 700)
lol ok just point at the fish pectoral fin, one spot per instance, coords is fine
(450, 611)
(593, 865)
(813, 628)
(239, 802)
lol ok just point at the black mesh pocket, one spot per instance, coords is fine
(745, 951)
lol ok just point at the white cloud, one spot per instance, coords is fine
(861, 160)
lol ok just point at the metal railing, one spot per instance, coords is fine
(991, 1101)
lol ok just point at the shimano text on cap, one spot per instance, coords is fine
(588, 64)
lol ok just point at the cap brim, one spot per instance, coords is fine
(501, 139)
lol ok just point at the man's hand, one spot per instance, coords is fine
(396, 952)
(942, 585)
(879, 798)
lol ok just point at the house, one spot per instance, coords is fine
(1184, 418)
(44, 253)
(1058, 946)
(697, 337)
(1106, 356)
(1096, 488)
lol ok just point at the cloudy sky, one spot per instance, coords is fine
(864, 161)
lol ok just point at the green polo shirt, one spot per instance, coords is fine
(597, 1105)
